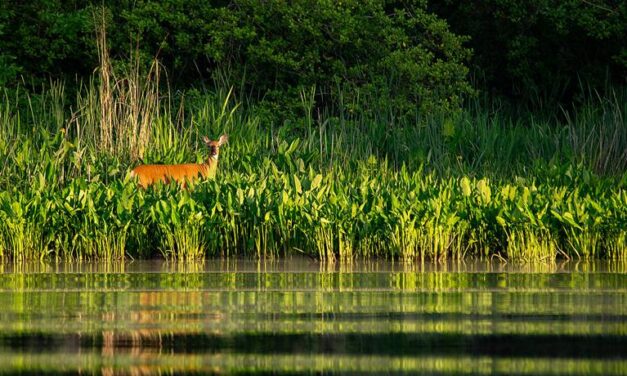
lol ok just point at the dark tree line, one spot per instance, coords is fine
(403, 52)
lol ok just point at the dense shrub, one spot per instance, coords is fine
(277, 49)
(390, 54)
(543, 49)
(394, 52)
(43, 39)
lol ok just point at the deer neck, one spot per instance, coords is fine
(212, 159)
(211, 165)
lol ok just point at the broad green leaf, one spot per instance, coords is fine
(501, 221)
(465, 185)
(484, 190)
(316, 181)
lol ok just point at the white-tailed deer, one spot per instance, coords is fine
(181, 173)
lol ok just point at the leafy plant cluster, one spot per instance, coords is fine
(276, 210)
(373, 51)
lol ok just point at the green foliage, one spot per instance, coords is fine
(275, 49)
(43, 39)
(542, 50)
(443, 190)
(393, 52)
(359, 56)
(329, 216)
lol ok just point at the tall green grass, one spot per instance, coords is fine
(329, 184)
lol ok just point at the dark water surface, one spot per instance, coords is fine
(303, 317)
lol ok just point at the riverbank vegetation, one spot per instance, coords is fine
(331, 156)
(476, 184)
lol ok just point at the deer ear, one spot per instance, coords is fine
(223, 139)
(206, 140)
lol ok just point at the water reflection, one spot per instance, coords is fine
(300, 316)
(296, 265)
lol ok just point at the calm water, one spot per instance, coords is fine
(301, 317)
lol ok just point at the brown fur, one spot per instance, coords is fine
(181, 173)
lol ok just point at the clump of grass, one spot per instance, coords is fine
(526, 246)
(597, 133)
(181, 225)
(129, 102)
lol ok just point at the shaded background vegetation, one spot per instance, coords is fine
(542, 51)
(271, 49)
(404, 53)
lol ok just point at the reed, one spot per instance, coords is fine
(129, 101)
